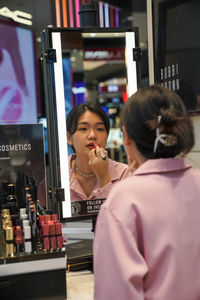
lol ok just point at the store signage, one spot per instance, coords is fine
(17, 15)
(104, 54)
(86, 208)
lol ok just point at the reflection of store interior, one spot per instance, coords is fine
(98, 75)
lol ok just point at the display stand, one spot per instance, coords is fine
(36, 276)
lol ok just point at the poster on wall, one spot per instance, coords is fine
(22, 157)
(18, 99)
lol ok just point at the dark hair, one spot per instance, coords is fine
(78, 110)
(140, 119)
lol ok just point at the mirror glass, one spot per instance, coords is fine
(92, 66)
(94, 71)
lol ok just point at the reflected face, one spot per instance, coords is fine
(90, 130)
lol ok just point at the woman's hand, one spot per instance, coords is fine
(99, 165)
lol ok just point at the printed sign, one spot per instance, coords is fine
(86, 207)
(21, 155)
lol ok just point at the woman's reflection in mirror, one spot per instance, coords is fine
(92, 173)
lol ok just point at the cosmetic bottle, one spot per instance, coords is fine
(18, 239)
(33, 222)
(12, 200)
(9, 242)
(27, 239)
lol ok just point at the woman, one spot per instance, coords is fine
(147, 240)
(92, 173)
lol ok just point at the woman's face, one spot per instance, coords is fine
(90, 129)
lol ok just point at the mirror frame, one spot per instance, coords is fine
(55, 101)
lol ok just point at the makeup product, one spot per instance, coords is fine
(22, 211)
(5, 219)
(24, 217)
(33, 227)
(33, 188)
(41, 219)
(54, 217)
(25, 222)
(12, 199)
(41, 222)
(103, 155)
(52, 236)
(45, 233)
(40, 208)
(18, 239)
(9, 241)
(59, 238)
(47, 218)
(27, 239)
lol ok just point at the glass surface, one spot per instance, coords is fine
(94, 69)
(177, 48)
(18, 101)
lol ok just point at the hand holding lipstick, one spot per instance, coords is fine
(103, 154)
(99, 164)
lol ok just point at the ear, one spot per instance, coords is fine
(127, 140)
(69, 139)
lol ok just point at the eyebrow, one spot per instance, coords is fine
(86, 123)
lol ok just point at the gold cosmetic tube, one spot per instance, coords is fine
(9, 242)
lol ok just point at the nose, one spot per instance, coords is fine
(92, 135)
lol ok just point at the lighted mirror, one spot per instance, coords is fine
(84, 65)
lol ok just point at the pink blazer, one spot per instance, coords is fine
(147, 238)
(117, 172)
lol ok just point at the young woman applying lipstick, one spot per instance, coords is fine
(92, 173)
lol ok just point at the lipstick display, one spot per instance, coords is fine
(23, 231)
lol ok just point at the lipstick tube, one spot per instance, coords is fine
(59, 237)
(18, 239)
(52, 236)
(47, 218)
(45, 232)
(54, 217)
(41, 219)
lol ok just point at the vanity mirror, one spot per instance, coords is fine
(82, 65)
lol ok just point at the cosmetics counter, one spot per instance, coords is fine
(32, 256)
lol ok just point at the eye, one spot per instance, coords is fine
(82, 128)
(100, 129)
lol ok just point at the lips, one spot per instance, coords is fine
(92, 146)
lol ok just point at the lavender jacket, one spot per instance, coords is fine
(147, 238)
(117, 172)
